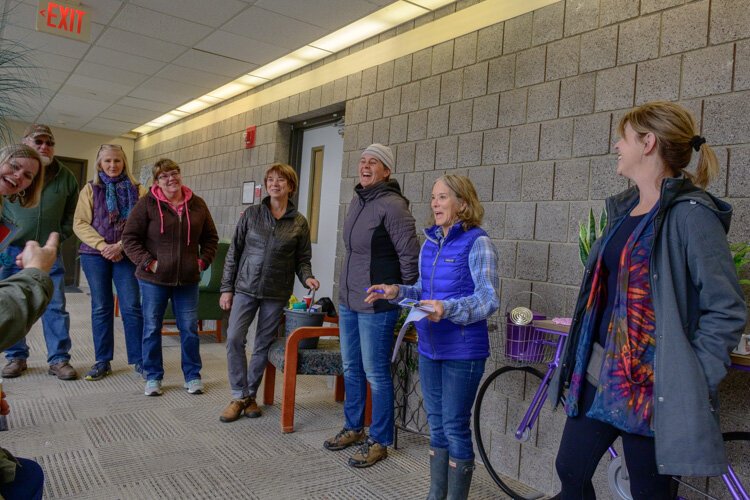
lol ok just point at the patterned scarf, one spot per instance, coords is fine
(121, 196)
(624, 397)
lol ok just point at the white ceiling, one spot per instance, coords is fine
(147, 57)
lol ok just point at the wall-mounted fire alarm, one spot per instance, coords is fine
(250, 137)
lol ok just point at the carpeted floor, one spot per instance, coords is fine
(106, 440)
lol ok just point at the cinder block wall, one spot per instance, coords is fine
(527, 109)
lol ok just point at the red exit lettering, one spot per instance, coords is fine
(71, 19)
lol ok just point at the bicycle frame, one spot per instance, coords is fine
(734, 485)
(532, 414)
(618, 470)
(731, 481)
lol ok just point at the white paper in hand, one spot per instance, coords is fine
(417, 312)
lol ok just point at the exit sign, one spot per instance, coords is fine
(64, 19)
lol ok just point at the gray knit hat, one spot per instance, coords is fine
(382, 153)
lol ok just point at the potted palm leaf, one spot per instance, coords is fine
(16, 80)
(588, 232)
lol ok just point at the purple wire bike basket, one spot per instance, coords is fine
(523, 343)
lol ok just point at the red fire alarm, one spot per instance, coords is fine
(250, 137)
(258, 192)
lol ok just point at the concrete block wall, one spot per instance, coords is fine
(528, 109)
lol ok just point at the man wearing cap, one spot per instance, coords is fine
(54, 213)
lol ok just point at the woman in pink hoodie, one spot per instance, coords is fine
(170, 237)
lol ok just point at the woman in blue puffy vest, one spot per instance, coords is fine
(459, 279)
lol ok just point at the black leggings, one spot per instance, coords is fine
(585, 441)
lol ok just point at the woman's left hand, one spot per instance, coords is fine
(437, 305)
(112, 251)
(312, 283)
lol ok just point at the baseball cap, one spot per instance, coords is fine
(37, 129)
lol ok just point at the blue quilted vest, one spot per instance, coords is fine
(445, 274)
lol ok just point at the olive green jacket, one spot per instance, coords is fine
(23, 298)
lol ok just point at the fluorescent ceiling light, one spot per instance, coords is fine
(165, 119)
(251, 80)
(144, 129)
(431, 4)
(290, 62)
(367, 27)
(231, 89)
(384, 19)
(195, 106)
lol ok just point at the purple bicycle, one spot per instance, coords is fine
(541, 342)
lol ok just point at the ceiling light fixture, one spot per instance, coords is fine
(384, 19)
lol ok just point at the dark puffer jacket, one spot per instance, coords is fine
(381, 245)
(266, 253)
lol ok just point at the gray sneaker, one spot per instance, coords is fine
(194, 386)
(153, 388)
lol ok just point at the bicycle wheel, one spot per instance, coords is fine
(732, 485)
(491, 427)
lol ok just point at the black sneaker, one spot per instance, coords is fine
(99, 371)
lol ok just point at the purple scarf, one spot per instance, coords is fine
(624, 397)
(121, 196)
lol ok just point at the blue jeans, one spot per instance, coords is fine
(55, 320)
(185, 308)
(28, 484)
(448, 391)
(100, 273)
(366, 348)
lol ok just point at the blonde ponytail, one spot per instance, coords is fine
(676, 138)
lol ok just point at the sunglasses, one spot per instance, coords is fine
(109, 146)
(48, 142)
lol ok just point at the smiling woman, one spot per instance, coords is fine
(170, 237)
(21, 175)
(103, 208)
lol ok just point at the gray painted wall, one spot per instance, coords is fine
(527, 109)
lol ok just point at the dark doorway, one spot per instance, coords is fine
(69, 247)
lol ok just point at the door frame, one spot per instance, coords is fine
(69, 248)
(297, 136)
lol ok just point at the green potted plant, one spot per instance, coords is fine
(741, 255)
(588, 232)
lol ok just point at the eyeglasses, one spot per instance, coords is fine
(166, 177)
(48, 142)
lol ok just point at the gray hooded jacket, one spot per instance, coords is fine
(700, 315)
(381, 245)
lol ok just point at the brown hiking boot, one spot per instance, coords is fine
(63, 371)
(252, 410)
(368, 454)
(344, 439)
(14, 368)
(234, 409)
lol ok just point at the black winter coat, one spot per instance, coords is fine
(266, 253)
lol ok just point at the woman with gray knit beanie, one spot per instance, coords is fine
(381, 247)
